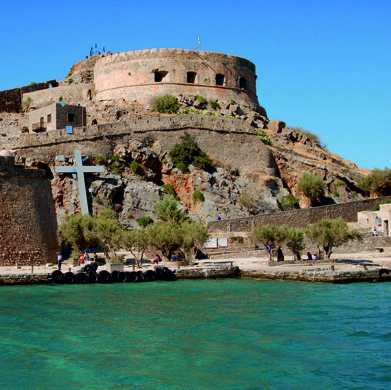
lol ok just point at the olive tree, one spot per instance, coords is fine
(269, 236)
(294, 240)
(329, 233)
(137, 242)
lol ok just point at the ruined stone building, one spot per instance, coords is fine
(57, 116)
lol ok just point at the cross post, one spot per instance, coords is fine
(79, 169)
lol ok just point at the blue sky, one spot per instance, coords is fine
(321, 65)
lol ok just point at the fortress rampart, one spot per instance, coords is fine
(143, 74)
(241, 144)
(27, 218)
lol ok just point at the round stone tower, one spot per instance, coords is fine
(143, 74)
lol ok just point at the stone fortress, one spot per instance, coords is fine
(141, 75)
(250, 179)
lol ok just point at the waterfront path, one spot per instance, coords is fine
(341, 268)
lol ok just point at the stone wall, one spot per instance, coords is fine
(69, 94)
(11, 99)
(297, 218)
(241, 145)
(132, 75)
(27, 218)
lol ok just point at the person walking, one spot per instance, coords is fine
(59, 260)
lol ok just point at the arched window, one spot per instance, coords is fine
(191, 77)
(220, 79)
(160, 75)
(243, 83)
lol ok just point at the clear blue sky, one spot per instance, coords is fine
(321, 65)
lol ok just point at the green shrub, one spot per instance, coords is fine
(232, 101)
(70, 81)
(33, 83)
(339, 183)
(203, 162)
(164, 160)
(165, 104)
(170, 190)
(377, 182)
(69, 74)
(289, 202)
(60, 99)
(114, 168)
(214, 104)
(198, 196)
(354, 193)
(114, 158)
(135, 167)
(100, 160)
(188, 152)
(200, 98)
(145, 221)
(188, 111)
(98, 200)
(311, 186)
(336, 193)
(182, 167)
(263, 137)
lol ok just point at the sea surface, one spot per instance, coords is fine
(202, 334)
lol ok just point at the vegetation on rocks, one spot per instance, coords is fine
(378, 182)
(167, 104)
(188, 152)
(263, 137)
(170, 190)
(289, 202)
(198, 196)
(311, 186)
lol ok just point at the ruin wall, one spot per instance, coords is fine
(71, 94)
(131, 75)
(297, 218)
(241, 144)
(28, 223)
(11, 99)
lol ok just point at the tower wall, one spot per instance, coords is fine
(27, 218)
(143, 74)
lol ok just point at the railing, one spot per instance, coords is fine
(41, 126)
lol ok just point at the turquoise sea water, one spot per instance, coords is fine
(223, 334)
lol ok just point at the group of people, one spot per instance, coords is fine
(82, 259)
(280, 255)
